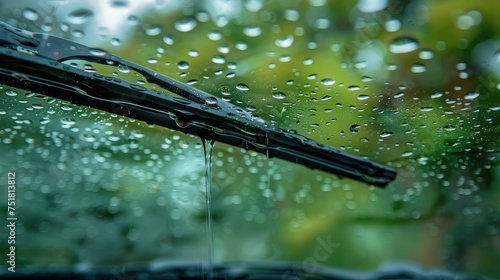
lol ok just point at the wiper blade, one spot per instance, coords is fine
(34, 62)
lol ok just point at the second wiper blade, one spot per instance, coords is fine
(27, 62)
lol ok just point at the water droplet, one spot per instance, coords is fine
(449, 127)
(386, 134)
(253, 5)
(133, 20)
(426, 108)
(214, 35)
(407, 154)
(250, 108)
(152, 60)
(115, 41)
(392, 25)
(426, 54)
(371, 6)
(30, 14)
(182, 65)
(312, 76)
(279, 95)
(285, 58)
(77, 33)
(193, 53)
(186, 24)
(80, 16)
(211, 100)
(10, 92)
(153, 30)
(322, 23)
(471, 95)
(353, 88)
(242, 87)
(224, 48)
(284, 42)
(418, 68)
(221, 21)
(403, 45)
(37, 106)
(291, 15)
(119, 3)
(326, 97)
(241, 45)
(252, 31)
(399, 94)
(123, 68)
(219, 59)
(354, 128)
(436, 95)
(168, 39)
(363, 96)
(97, 52)
(328, 82)
(68, 121)
(137, 134)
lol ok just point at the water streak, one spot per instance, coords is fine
(208, 145)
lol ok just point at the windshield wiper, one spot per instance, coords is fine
(34, 62)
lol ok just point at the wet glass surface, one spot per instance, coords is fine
(414, 85)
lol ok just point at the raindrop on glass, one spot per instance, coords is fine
(436, 95)
(242, 87)
(182, 65)
(284, 42)
(252, 31)
(186, 24)
(328, 82)
(418, 68)
(133, 20)
(471, 95)
(153, 30)
(115, 41)
(168, 39)
(426, 108)
(279, 95)
(426, 54)
(193, 53)
(354, 128)
(253, 5)
(291, 15)
(241, 45)
(80, 16)
(399, 94)
(403, 45)
(214, 35)
(30, 14)
(322, 23)
(449, 127)
(392, 25)
(10, 93)
(219, 59)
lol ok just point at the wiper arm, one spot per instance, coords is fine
(34, 62)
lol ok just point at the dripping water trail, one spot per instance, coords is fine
(208, 145)
(268, 186)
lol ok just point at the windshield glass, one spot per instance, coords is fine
(411, 85)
